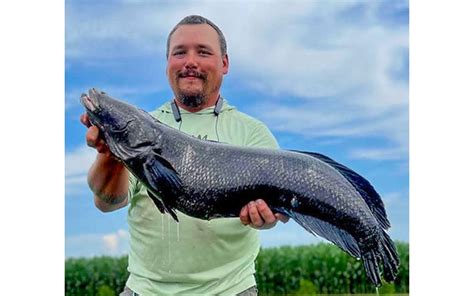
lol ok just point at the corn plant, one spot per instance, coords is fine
(309, 270)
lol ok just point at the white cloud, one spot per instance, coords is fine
(89, 245)
(98, 30)
(79, 160)
(117, 91)
(112, 241)
(339, 73)
(377, 154)
(347, 90)
(77, 164)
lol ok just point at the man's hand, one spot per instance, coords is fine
(93, 138)
(107, 177)
(258, 215)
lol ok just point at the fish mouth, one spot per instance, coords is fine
(91, 101)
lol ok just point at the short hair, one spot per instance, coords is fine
(198, 20)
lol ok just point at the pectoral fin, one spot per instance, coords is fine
(162, 206)
(159, 204)
(163, 179)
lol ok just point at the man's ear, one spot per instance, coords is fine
(225, 64)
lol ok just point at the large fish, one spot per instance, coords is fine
(208, 180)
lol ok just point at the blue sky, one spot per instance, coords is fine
(325, 76)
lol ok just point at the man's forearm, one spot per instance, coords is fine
(108, 180)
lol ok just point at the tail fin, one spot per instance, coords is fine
(387, 255)
(383, 250)
(391, 260)
(370, 261)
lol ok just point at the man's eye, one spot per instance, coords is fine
(180, 52)
(204, 52)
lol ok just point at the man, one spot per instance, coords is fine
(194, 256)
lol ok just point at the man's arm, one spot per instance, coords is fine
(108, 177)
(108, 180)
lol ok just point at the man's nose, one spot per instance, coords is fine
(191, 61)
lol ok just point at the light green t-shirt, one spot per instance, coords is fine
(194, 256)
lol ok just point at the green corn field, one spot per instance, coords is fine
(302, 270)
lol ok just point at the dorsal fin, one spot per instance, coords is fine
(365, 189)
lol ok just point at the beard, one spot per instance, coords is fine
(193, 100)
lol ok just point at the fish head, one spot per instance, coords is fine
(106, 112)
(127, 130)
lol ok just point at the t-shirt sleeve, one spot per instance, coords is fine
(262, 137)
(133, 186)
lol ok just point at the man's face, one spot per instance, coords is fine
(195, 64)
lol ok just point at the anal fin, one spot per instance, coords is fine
(157, 201)
(318, 227)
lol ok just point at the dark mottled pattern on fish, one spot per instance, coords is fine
(208, 180)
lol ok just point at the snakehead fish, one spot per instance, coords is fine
(209, 180)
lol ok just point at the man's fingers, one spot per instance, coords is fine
(244, 215)
(85, 120)
(258, 215)
(102, 147)
(254, 215)
(92, 137)
(265, 212)
(282, 218)
(94, 140)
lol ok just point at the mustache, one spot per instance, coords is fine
(193, 73)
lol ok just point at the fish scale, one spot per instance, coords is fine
(208, 180)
